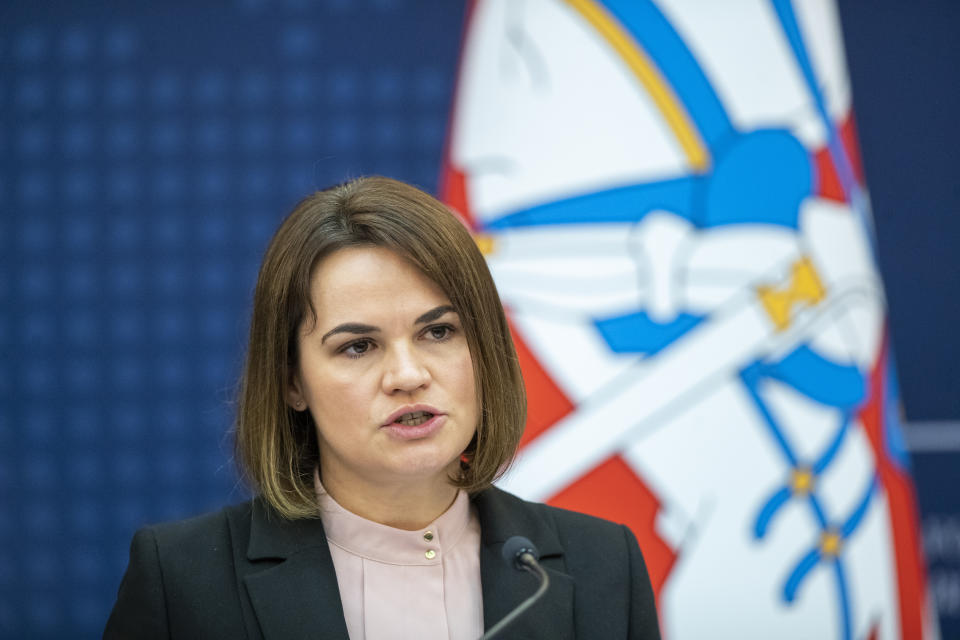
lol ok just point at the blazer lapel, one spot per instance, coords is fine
(504, 588)
(295, 594)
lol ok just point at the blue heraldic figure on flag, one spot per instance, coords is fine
(670, 200)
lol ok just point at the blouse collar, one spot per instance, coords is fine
(382, 543)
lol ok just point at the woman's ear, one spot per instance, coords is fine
(294, 394)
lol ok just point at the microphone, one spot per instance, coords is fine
(521, 554)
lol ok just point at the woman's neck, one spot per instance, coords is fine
(403, 505)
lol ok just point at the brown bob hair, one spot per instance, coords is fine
(276, 447)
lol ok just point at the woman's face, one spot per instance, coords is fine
(385, 372)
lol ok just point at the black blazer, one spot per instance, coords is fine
(244, 572)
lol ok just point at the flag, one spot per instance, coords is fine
(671, 202)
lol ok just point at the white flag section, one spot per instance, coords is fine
(670, 200)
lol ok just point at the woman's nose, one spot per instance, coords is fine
(404, 372)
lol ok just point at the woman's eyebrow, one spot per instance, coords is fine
(359, 328)
(434, 313)
(349, 327)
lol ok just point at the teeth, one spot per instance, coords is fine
(413, 419)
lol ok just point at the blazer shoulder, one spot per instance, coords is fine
(563, 520)
(609, 553)
(181, 580)
(204, 547)
(614, 595)
(204, 528)
(576, 521)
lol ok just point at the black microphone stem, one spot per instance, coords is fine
(529, 563)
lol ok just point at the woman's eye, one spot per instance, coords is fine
(357, 348)
(440, 332)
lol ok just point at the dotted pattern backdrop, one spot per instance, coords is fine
(147, 153)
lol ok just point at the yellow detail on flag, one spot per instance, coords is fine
(485, 243)
(645, 70)
(804, 288)
(801, 481)
(830, 543)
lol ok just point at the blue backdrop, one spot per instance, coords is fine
(148, 152)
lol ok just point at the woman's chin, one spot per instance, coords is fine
(421, 465)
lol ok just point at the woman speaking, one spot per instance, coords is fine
(381, 397)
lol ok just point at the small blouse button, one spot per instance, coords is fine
(430, 554)
(428, 536)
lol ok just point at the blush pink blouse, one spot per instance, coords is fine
(400, 584)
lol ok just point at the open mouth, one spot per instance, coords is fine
(413, 419)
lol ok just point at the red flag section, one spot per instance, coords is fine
(904, 514)
(828, 180)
